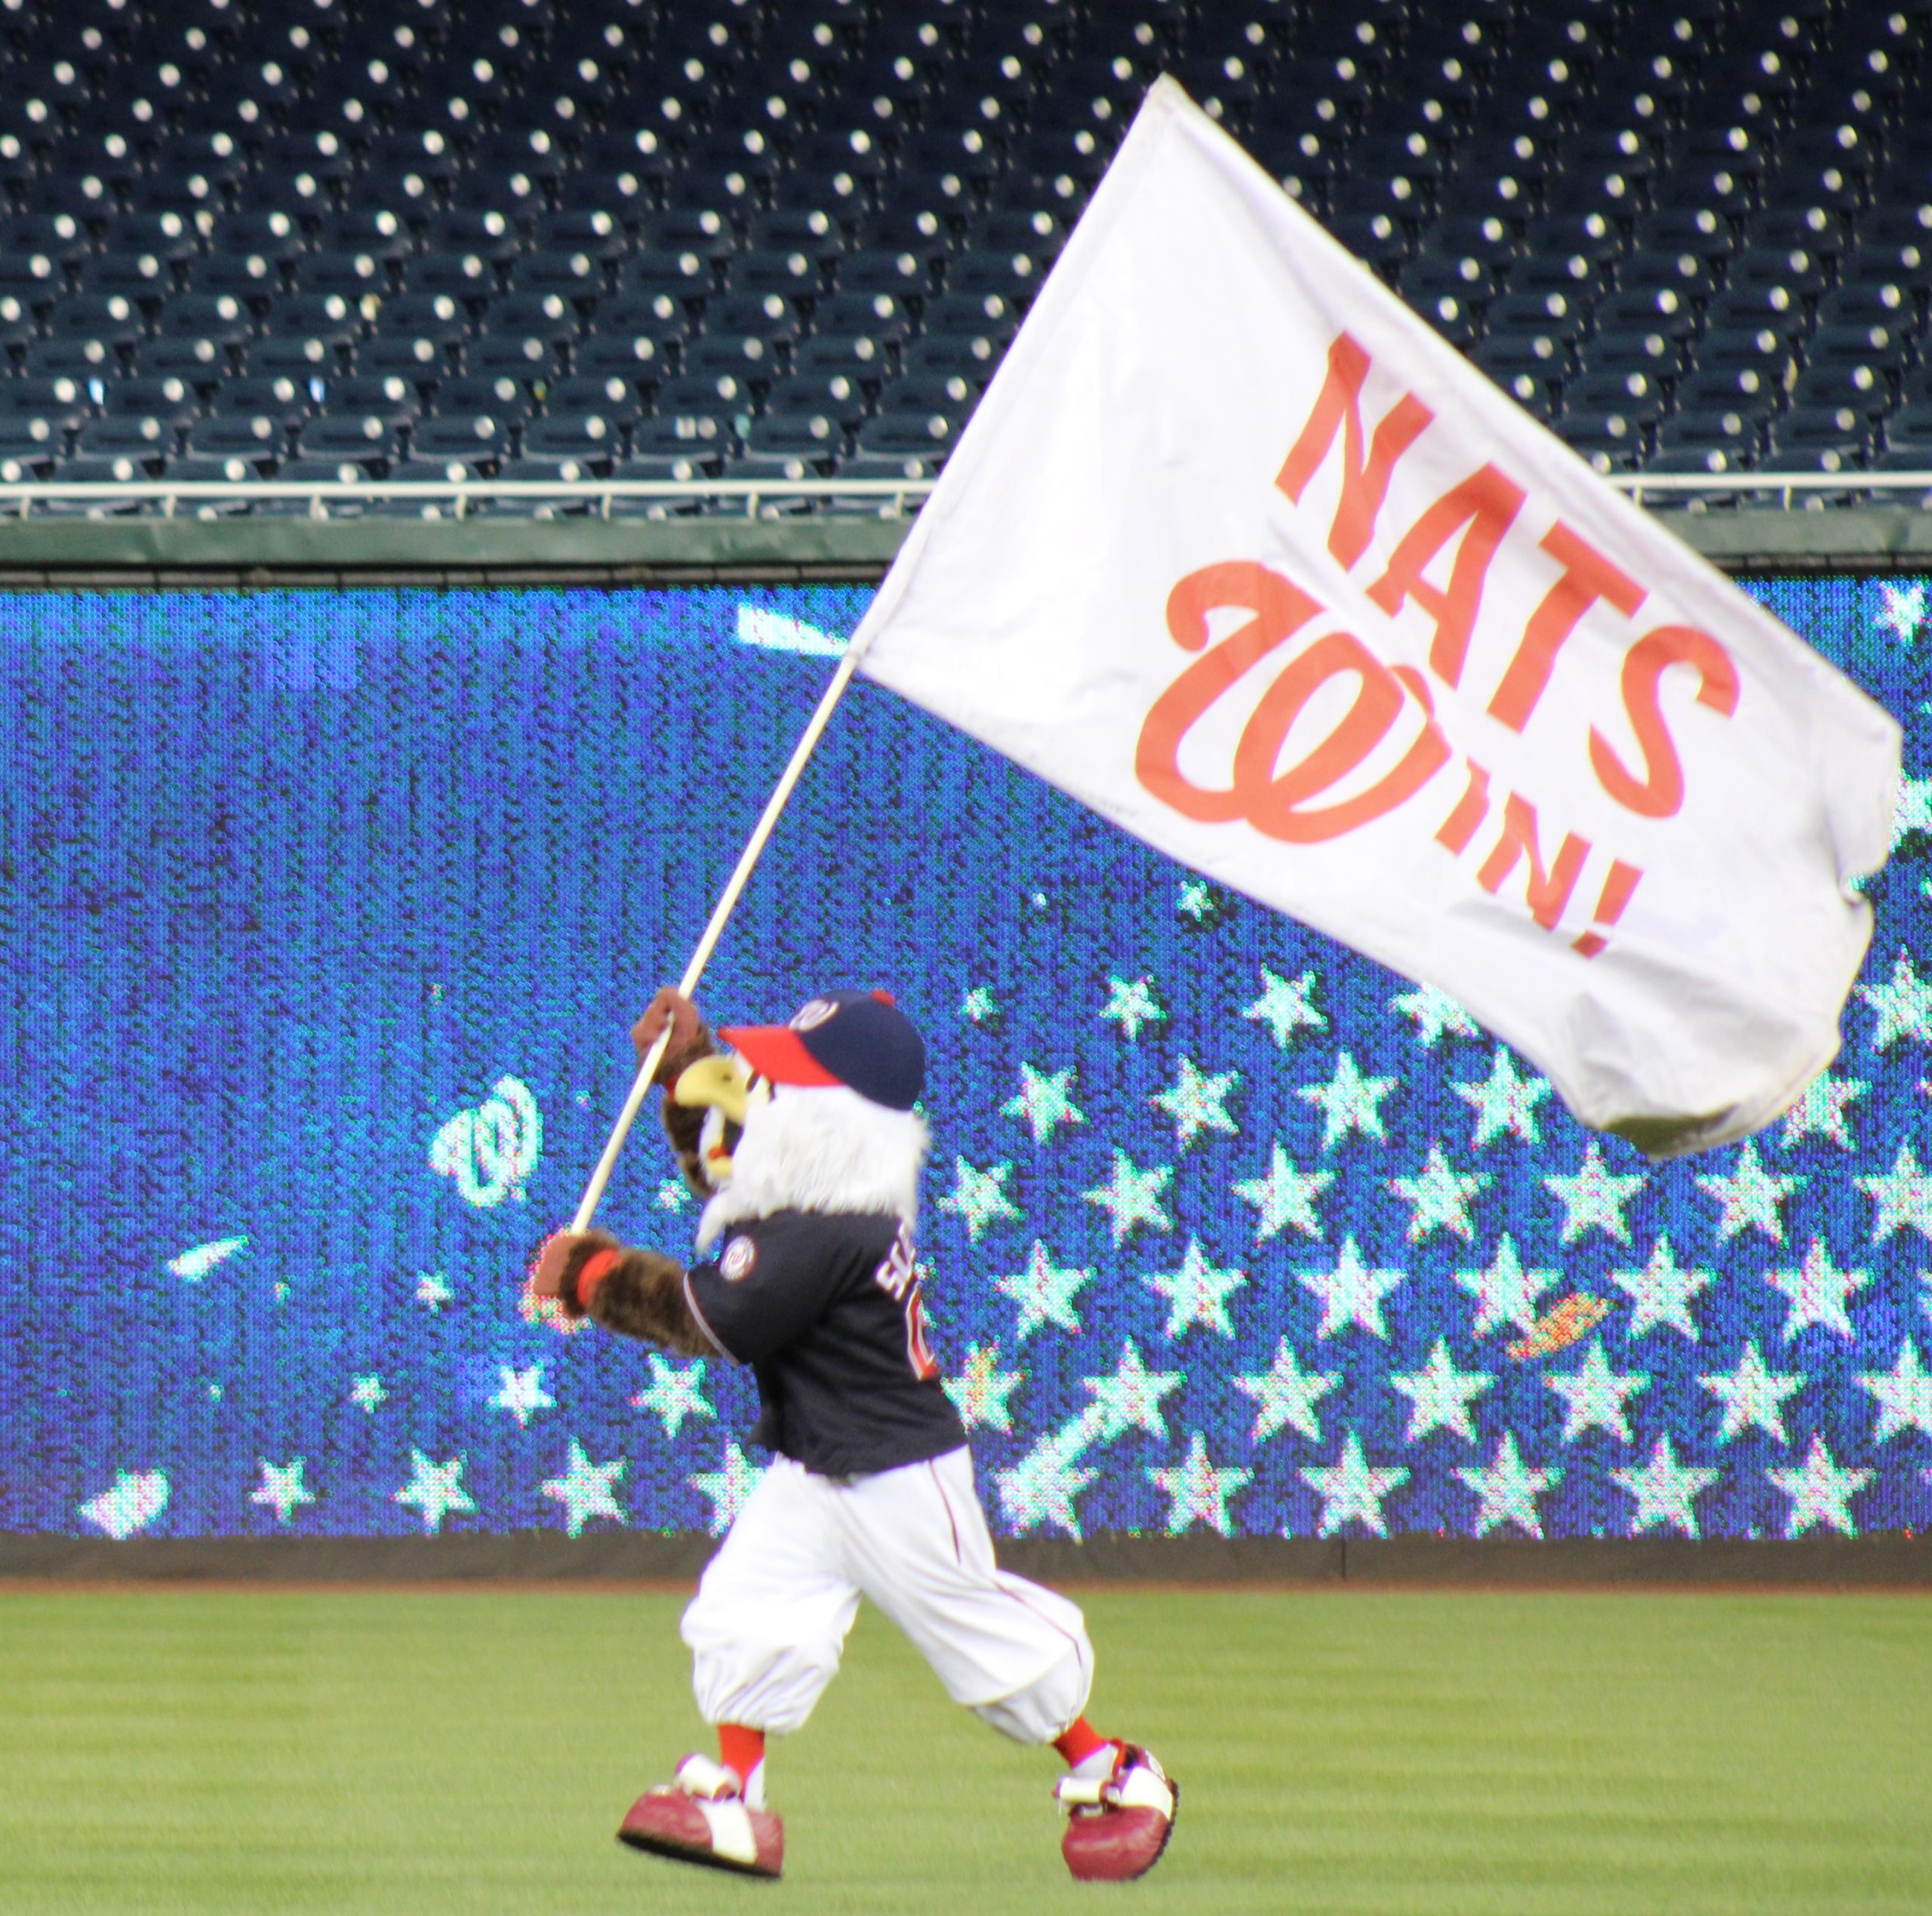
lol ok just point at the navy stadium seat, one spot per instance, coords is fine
(521, 355)
(612, 398)
(390, 398)
(224, 436)
(172, 401)
(471, 439)
(281, 399)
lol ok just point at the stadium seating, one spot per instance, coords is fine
(612, 239)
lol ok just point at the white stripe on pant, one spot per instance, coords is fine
(769, 1622)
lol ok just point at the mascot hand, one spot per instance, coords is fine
(562, 1257)
(669, 1011)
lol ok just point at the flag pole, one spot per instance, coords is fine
(713, 930)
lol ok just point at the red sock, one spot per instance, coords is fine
(1078, 1741)
(740, 1749)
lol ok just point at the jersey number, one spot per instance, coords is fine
(898, 1277)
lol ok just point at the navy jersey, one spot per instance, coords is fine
(824, 1307)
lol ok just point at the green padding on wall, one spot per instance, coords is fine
(1753, 540)
(867, 544)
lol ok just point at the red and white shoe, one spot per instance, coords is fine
(702, 1816)
(1118, 1822)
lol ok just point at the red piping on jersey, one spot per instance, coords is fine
(958, 1555)
(717, 1342)
(1079, 1656)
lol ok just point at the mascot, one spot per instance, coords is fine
(804, 1143)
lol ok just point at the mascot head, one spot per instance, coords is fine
(813, 1115)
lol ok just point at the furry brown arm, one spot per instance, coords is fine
(690, 1040)
(644, 1296)
(684, 1126)
(634, 1292)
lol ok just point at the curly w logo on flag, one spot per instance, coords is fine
(1237, 551)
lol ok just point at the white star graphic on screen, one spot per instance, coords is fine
(1045, 1101)
(1660, 1294)
(282, 1489)
(1196, 900)
(673, 1194)
(1352, 1292)
(435, 1490)
(1130, 1398)
(1594, 1196)
(1131, 1003)
(131, 1502)
(675, 1392)
(586, 1489)
(1665, 1491)
(1903, 609)
(1505, 1292)
(1285, 1394)
(1197, 1492)
(1044, 1291)
(1440, 1395)
(194, 1263)
(1286, 1006)
(1435, 1015)
(1198, 1101)
(1041, 1487)
(1197, 1293)
(1508, 1490)
(1903, 1196)
(1504, 1102)
(1750, 1196)
(1817, 1293)
(522, 1394)
(1904, 1007)
(979, 1197)
(981, 1390)
(1903, 1394)
(1351, 1490)
(979, 1006)
(1820, 1492)
(1348, 1101)
(1820, 1112)
(433, 1288)
(726, 1488)
(1594, 1394)
(1913, 812)
(1285, 1197)
(1438, 1196)
(367, 1392)
(1753, 1397)
(1132, 1197)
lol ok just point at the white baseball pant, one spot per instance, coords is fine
(769, 1622)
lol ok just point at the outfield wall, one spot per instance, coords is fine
(327, 913)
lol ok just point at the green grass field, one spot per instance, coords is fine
(215, 1751)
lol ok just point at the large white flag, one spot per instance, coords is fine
(1238, 551)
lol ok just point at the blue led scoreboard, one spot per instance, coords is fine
(326, 917)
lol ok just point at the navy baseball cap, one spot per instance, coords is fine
(860, 1040)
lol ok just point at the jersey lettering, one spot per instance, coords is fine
(898, 1277)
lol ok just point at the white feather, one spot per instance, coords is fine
(820, 1150)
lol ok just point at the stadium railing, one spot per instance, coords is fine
(887, 498)
(891, 497)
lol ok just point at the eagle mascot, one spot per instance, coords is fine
(805, 1144)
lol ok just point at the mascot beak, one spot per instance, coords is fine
(727, 1090)
(722, 1083)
